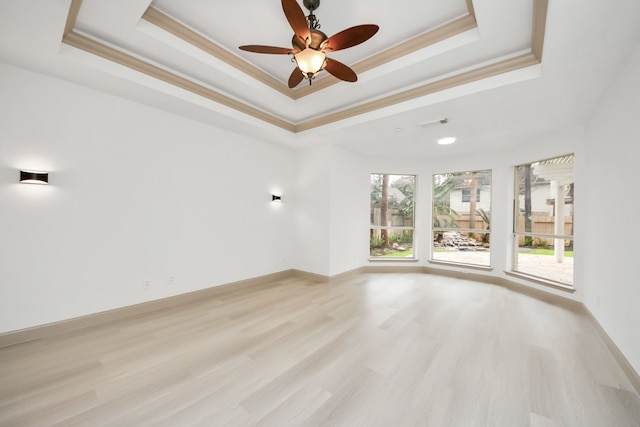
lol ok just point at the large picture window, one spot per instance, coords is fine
(462, 223)
(543, 220)
(392, 213)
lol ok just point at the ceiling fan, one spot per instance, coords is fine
(310, 45)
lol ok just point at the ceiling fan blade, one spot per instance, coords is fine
(295, 78)
(339, 70)
(267, 49)
(351, 37)
(296, 18)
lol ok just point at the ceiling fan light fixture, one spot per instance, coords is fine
(309, 44)
(310, 61)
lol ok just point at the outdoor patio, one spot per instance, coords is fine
(536, 265)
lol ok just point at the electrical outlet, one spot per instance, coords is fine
(147, 283)
(172, 280)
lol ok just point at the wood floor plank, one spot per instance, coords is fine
(369, 349)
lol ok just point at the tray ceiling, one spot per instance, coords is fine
(183, 56)
(193, 45)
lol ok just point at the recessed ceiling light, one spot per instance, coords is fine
(446, 141)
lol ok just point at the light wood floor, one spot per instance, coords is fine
(372, 350)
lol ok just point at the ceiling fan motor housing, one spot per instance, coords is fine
(317, 38)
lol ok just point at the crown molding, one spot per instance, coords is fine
(172, 26)
(95, 47)
(538, 28)
(443, 32)
(519, 62)
(72, 16)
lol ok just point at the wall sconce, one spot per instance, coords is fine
(34, 177)
(275, 198)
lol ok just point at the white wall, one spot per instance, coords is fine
(613, 284)
(136, 194)
(349, 202)
(332, 196)
(312, 219)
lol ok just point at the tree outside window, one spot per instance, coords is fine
(392, 206)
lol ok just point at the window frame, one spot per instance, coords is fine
(484, 231)
(411, 228)
(518, 234)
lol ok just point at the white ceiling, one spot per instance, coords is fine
(585, 43)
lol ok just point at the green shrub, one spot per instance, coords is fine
(376, 242)
(539, 242)
(407, 236)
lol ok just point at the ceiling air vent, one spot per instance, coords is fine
(434, 123)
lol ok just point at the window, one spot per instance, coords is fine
(466, 195)
(543, 220)
(392, 212)
(461, 224)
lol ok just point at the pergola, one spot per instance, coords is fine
(559, 171)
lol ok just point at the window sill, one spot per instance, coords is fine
(540, 281)
(461, 265)
(391, 259)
